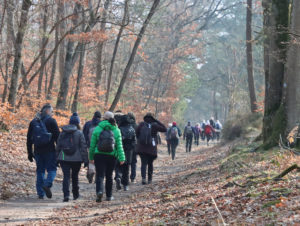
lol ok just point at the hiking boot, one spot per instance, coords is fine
(48, 192)
(132, 181)
(126, 188)
(75, 195)
(144, 181)
(66, 199)
(111, 198)
(118, 184)
(149, 181)
(99, 197)
(41, 197)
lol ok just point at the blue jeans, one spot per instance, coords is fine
(45, 162)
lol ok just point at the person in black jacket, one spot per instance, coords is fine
(71, 151)
(129, 141)
(134, 156)
(88, 127)
(174, 133)
(44, 155)
(148, 152)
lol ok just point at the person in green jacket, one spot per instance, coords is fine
(105, 161)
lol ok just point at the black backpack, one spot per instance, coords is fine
(106, 142)
(40, 135)
(145, 137)
(174, 133)
(67, 143)
(128, 136)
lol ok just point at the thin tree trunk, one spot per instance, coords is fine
(18, 53)
(115, 51)
(251, 85)
(62, 29)
(100, 47)
(5, 89)
(43, 50)
(133, 53)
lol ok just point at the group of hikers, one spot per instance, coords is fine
(209, 130)
(109, 143)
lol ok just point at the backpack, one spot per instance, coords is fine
(174, 133)
(91, 130)
(67, 143)
(218, 126)
(106, 142)
(145, 137)
(189, 131)
(40, 135)
(128, 136)
(208, 130)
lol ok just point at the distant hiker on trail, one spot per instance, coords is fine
(88, 130)
(43, 133)
(188, 136)
(134, 157)
(174, 133)
(129, 141)
(202, 125)
(71, 151)
(197, 130)
(168, 138)
(208, 132)
(105, 149)
(147, 144)
(218, 128)
(118, 116)
(213, 125)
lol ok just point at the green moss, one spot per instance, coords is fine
(271, 203)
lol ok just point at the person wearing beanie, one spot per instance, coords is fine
(188, 135)
(146, 146)
(44, 150)
(89, 127)
(105, 156)
(174, 133)
(134, 156)
(71, 152)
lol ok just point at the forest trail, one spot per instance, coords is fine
(33, 211)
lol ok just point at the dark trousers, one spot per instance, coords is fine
(133, 166)
(188, 144)
(169, 147)
(147, 162)
(197, 139)
(174, 144)
(125, 174)
(67, 168)
(105, 165)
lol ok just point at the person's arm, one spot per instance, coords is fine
(184, 133)
(179, 132)
(86, 131)
(58, 146)
(119, 147)
(29, 143)
(54, 130)
(93, 144)
(138, 130)
(83, 149)
(160, 127)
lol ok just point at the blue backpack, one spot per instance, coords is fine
(41, 136)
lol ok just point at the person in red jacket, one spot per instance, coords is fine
(208, 130)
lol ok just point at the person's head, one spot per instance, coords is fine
(170, 124)
(212, 118)
(207, 123)
(189, 123)
(97, 115)
(149, 118)
(110, 117)
(75, 120)
(174, 124)
(47, 109)
(204, 121)
(218, 121)
(198, 124)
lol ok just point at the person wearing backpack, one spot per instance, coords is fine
(105, 149)
(134, 156)
(129, 141)
(174, 133)
(188, 136)
(168, 138)
(208, 132)
(71, 152)
(146, 147)
(197, 130)
(218, 130)
(42, 134)
(88, 130)
(203, 124)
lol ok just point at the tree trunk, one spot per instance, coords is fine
(133, 53)
(43, 31)
(251, 85)
(100, 47)
(62, 47)
(292, 76)
(276, 21)
(18, 53)
(115, 51)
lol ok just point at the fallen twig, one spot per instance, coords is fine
(286, 171)
(218, 211)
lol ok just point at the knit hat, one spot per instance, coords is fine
(97, 114)
(174, 123)
(108, 115)
(75, 120)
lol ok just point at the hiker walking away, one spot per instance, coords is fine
(42, 134)
(71, 151)
(105, 149)
(202, 125)
(208, 132)
(213, 125)
(146, 146)
(174, 133)
(118, 117)
(197, 130)
(134, 156)
(168, 138)
(188, 136)
(88, 130)
(218, 129)
(129, 141)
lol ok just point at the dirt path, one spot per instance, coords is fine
(22, 211)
